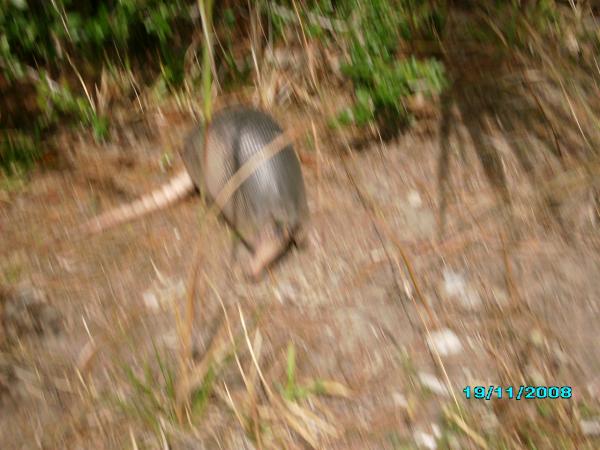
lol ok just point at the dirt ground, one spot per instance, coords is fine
(390, 315)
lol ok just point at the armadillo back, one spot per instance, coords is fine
(275, 191)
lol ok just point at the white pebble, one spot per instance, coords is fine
(414, 199)
(455, 286)
(150, 300)
(433, 383)
(444, 341)
(399, 400)
(590, 427)
(425, 440)
(454, 283)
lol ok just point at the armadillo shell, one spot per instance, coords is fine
(274, 192)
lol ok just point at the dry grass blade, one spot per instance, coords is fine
(250, 405)
(472, 434)
(214, 357)
(334, 389)
(84, 87)
(252, 392)
(311, 418)
(86, 354)
(295, 424)
(276, 402)
(253, 355)
(229, 401)
(185, 331)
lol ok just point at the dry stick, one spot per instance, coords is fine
(432, 350)
(206, 12)
(229, 332)
(199, 370)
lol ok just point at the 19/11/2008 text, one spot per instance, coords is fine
(518, 393)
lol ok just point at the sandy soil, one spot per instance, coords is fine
(486, 310)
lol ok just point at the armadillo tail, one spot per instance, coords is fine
(177, 188)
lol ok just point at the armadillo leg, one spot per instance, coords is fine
(272, 242)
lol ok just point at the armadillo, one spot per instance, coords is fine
(268, 210)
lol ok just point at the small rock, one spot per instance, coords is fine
(537, 337)
(433, 383)
(535, 375)
(150, 300)
(594, 388)
(489, 421)
(399, 400)
(444, 341)
(424, 440)
(470, 299)
(285, 292)
(377, 255)
(170, 339)
(455, 286)
(421, 222)
(571, 43)
(163, 294)
(500, 296)
(590, 427)
(414, 199)
(454, 283)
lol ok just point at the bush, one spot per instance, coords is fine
(375, 33)
(52, 37)
(381, 76)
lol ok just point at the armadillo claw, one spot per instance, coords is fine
(271, 245)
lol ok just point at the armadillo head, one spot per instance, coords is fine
(193, 154)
